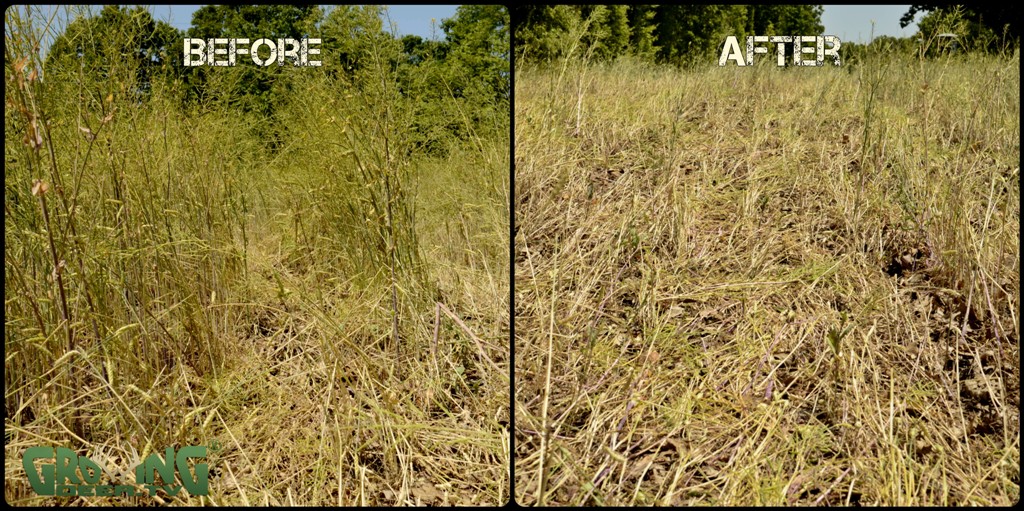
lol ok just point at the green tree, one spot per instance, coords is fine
(247, 87)
(617, 24)
(852, 53)
(1002, 18)
(676, 34)
(970, 32)
(271, 21)
(785, 19)
(641, 31)
(418, 50)
(107, 53)
(479, 53)
(607, 30)
(694, 33)
(250, 89)
(542, 31)
(546, 32)
(348, 33)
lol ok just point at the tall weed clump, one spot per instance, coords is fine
(372, 147)
(120, 230)
(393, 228)
(939, 152)
(186, 225)
(350, 197)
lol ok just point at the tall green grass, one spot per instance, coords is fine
(174, 277)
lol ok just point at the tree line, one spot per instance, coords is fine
(686, 34)
(673, 34)
(128, 47)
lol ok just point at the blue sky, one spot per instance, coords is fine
(853, 22)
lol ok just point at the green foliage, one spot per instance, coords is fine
(467, 75)
(677, 34)
(608, 31)
(270, 21)
(1001, 18)
(971, 34)
(617, 23)
(600, 32)
(785, 19)
(641, 31)
(120, 46)
(690, 33)
(837, 334)
(890, 45)
(458, 88)
(347, 33)
(250, 89)
(478, 37)
(542, 30)
(418, 50)
(851, 53)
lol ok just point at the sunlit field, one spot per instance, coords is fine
(320, 297)
(770, 286)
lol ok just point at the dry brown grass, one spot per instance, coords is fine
(687, 241)
(309, 405)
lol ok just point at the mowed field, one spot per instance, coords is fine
(768, 286)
